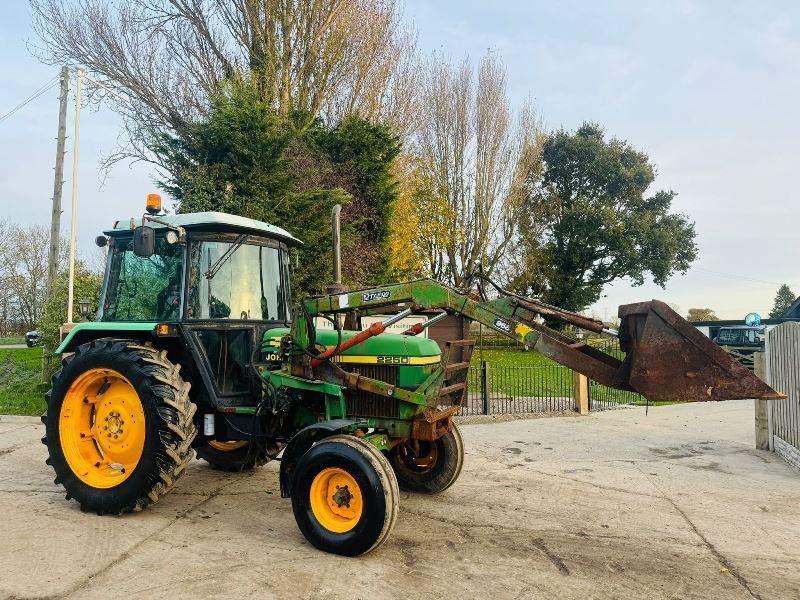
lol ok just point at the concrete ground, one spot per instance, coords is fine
(676, 504)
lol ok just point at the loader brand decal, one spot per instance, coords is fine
(370, 296)
(522, 330)
(502, 325)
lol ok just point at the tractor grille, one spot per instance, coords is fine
(367, 404)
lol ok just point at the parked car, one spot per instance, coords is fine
(32, 338)
(747, 337)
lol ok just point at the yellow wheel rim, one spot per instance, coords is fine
(102, 428)
(226, 446)
(336, 500)
(423, 462)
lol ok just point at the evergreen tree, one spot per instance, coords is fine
(246, 159)
(592, 221)
(783, 300)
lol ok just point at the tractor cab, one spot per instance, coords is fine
(209, 285)
(197, 267)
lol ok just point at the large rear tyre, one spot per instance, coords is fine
(344, 496)
(433, 468)
(119, 425)
(235, 455)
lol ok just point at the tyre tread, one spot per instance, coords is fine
(176, 428)
(385, 473)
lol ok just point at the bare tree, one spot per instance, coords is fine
(23, 274)
(165, 58)
(475, 164)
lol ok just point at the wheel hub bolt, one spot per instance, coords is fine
(342, 497)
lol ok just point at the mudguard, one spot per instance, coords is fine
(300, 444)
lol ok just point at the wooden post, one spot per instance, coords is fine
(581, 393)
(485, 388)
(761, 406)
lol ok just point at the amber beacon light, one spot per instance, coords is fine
(153, 204)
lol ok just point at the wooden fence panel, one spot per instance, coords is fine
(783, 374)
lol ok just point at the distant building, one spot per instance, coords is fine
(711, 328)
(793, 312)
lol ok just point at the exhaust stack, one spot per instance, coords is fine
(336, 246)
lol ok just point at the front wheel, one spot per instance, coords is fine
(429, 467)
(344, 496)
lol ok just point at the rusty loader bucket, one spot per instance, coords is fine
(669, 359)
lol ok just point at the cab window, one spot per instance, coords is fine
(238, 278)
(143, 289)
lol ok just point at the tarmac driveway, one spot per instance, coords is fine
(676, 504)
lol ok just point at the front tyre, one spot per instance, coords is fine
(119, 425)
(344, 496)
(431, 467)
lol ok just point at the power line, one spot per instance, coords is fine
(31, 98)
(734, 276)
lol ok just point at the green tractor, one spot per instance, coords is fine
(197, 349)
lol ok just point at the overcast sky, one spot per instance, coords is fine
(709, 90)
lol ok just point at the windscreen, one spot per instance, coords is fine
(237, 278)
(143, 289)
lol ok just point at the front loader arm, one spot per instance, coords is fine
(509, 315)
(666, 357)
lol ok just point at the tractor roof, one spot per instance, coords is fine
(211, 221)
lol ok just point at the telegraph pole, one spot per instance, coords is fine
(55, 217)
(58, 182)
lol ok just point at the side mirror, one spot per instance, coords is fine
(144, 241)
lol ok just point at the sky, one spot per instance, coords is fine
(709, 90)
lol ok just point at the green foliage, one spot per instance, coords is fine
(54, 313)
(589, 222)
(702, 314)
(364, 154)
(783, 300)
(20, 382)
(246, 159)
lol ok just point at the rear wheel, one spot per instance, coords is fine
(430, 467)
(344, 496)
(118, 425)
(236, 455)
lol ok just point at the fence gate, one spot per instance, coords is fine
(783, 374)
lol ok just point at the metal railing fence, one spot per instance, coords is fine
(545, 387)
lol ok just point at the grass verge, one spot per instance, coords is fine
(20, 381)
(529, 374)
